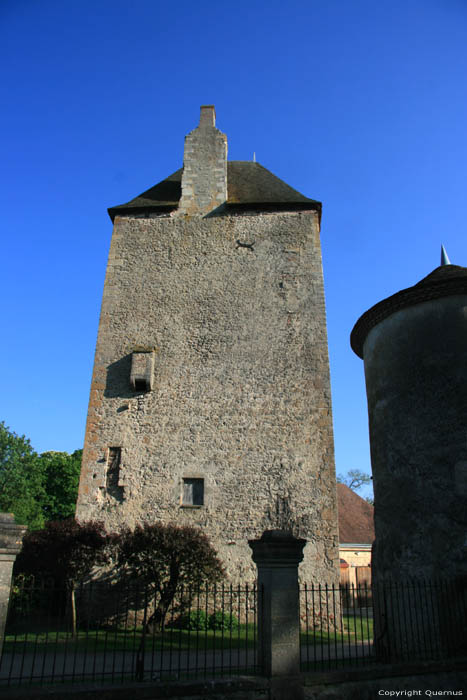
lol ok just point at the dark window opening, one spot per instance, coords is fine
(113, 467)
(142, 367)
(141, 385)
(193, 492)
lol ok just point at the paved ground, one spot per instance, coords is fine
(172, 664)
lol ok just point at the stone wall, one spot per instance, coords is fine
(241, 393)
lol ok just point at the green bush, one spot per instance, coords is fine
(223, 621)
(194, 620)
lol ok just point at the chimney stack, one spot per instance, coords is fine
(204, 180)
(207, 116)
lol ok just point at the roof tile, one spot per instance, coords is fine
(356, 523)
(248, 183)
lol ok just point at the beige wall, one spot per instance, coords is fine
(355, 556)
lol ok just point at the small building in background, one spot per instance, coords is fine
(356, 535)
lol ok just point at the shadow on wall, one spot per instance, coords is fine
(117, 383)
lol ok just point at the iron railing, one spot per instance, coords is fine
(120, 634)
(387, 621)
(206, 631)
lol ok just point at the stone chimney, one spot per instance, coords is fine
(204, 180)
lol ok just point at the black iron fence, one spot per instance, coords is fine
(115, 633)
(388, 621)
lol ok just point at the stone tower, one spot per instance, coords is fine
(414, 346)
(210, 400)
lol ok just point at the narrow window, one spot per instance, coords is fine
(113, 467)
(193, 492)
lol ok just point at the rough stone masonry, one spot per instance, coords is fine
(210, 399)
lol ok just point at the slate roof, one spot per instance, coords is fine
(445, 280)
(249, 185)
(356, 525)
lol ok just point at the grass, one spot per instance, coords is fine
(353, 630)
(130, 640)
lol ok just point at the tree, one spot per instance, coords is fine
(36, 488)
(164, 558)
(66, 551)
(60, 472)
(354, 479)
(21, 482)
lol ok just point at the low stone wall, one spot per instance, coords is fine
(410, 680)
(416, 680)
(222, 689)
(432, 685)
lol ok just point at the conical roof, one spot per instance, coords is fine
(443, 281)
(249, 186)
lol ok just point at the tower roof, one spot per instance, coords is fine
(443, 281)
(249, 186)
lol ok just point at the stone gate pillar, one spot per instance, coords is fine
(277, 555)
(11, 538)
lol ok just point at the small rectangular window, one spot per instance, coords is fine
(142, 368)
(193, 492)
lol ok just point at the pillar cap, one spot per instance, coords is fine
(277, 548)
(11, 534)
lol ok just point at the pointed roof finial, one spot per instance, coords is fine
(444, 256)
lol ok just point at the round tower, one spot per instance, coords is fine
(414, 346)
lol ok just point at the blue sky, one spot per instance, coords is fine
(357, 103)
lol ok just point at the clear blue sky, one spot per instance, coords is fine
(357, 103)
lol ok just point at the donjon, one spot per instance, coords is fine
(210, 399)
